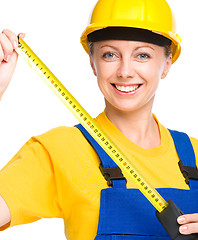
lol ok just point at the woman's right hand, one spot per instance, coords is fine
(8, 58)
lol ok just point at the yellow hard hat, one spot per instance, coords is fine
(152, 15)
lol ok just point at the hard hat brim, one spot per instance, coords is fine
(175, 46)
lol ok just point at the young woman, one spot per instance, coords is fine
(132, 45)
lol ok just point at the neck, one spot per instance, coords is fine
(139, 127)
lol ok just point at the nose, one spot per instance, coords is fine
(126, 69)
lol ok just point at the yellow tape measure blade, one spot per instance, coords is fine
(90, 125)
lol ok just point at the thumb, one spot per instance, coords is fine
(22, 35)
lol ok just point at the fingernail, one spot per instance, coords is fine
(15, 44)
(183, 229)
(22, 35)
(181, 220)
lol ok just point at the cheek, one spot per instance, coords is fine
(105, 71)
(152, 72)
(102, 83)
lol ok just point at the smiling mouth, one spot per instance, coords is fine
(127, 89)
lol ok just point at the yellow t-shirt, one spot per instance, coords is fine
(57, 175)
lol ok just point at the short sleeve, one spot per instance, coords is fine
(28, 186)
(194, 142)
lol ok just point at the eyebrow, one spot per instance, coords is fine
(106, 45)
(143, 46)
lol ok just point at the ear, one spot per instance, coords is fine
(92, 64)
(167, 66)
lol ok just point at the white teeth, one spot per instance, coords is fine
(127, 88)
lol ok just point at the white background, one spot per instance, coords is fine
(28, 107)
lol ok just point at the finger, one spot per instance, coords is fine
(13, 58)
(12, 37)
(189, 228)
(6, 46)
(188, 218)
(1, 54)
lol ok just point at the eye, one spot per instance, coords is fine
(143, 56)
(109, 55)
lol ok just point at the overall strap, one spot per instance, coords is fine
(186, 154)
(108, 167)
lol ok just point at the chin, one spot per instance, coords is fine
(124, 108)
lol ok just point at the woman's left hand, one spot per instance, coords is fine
(189, 223)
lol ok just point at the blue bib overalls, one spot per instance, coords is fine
(125, 214)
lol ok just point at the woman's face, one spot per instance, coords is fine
(128, 72)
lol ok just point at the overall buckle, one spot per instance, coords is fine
(188, 172)
(110, 174)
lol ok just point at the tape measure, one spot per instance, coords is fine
(90, 125)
